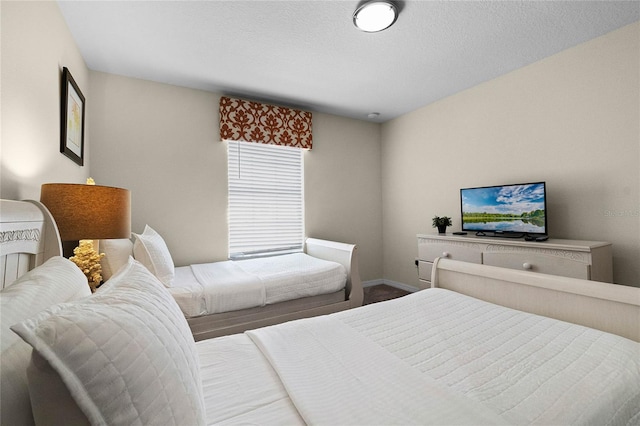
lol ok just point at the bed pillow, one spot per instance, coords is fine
(150, 249)
(116, 255)
(125, 354)
(55, 281)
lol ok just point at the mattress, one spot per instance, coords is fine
(218, 287)
(517, 367)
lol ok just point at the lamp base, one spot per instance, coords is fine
(87, 258)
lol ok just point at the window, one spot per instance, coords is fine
(266, 199)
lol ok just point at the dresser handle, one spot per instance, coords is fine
(527, 266)
(445, 254)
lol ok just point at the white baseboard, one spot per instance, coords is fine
(371, 283)
(391, 283)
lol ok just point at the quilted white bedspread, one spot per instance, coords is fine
(509, 366)
(217, 287)
(369, 384)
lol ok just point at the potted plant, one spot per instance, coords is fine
(441, 223)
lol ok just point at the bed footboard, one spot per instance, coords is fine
(345, 254)
(603, 306)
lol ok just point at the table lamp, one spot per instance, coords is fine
(88, 212)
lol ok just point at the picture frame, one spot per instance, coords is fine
(72, 111)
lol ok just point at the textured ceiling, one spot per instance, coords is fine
(308, 54)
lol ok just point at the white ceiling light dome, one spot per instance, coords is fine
(375, 16)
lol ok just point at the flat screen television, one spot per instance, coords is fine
(514, 210)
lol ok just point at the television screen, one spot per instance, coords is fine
(518, 208)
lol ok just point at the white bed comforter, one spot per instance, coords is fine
(433, 353)
(378, 388)
(211, 288)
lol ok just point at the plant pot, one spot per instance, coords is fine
(442, 229)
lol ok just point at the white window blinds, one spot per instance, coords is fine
(266, 199)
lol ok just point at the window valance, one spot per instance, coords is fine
(248, 121)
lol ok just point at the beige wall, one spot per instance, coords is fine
(572, 120)
(35, 46)
(343, 198)
(162, 143)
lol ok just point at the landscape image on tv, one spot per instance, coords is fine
(509, 208)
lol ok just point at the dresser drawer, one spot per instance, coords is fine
(539, 263)
(590, 260)
(429, 252)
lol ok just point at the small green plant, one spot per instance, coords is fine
(441, 221)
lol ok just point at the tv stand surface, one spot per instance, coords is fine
(591, 260)
(494, 234)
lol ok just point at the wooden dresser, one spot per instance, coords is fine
(591, 260)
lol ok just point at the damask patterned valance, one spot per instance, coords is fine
(248, 121)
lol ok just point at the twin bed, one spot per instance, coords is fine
(322, 280)
(230, 297)
(125, 354)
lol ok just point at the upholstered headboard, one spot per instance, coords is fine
(28, 237)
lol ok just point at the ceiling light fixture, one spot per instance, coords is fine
(375, 16)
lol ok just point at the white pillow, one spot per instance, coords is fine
(125, 354)
(52, 402)
(55, 281)
(150, 249)
(116, 255)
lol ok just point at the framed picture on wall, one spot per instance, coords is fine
(72, 119)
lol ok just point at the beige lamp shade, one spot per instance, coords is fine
(88, 212)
